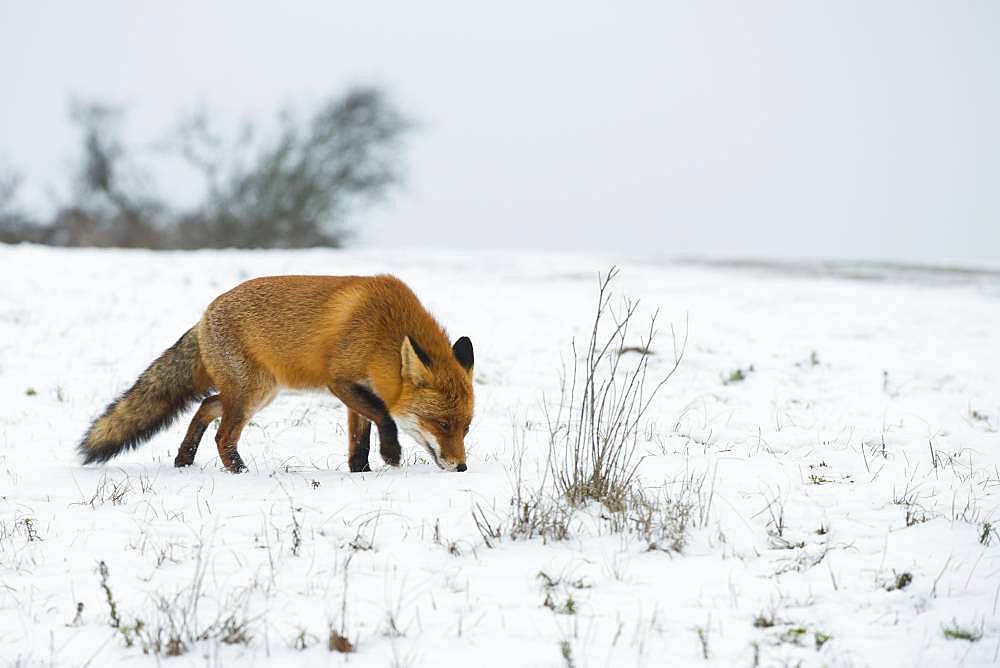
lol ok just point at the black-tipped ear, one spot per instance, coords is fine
(463, 353)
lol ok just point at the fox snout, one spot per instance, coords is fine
(447, 453)
(445, 461)
(442, 460)
(452, 465)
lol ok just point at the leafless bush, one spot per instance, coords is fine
(178, 620)
(113, 491)
(594, 432)
(9, 183)
(108, 206)
(175, 625)
(298, 189)
(538, 515)
(19, 537)
(535, 512)
(663, 518)
(20, 527)
(14, 224)
(295, 188)
(592, 441)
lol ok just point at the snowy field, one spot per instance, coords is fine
(836, 440)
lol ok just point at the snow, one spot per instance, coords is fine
(899, 414)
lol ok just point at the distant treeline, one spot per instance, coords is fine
(294, 187)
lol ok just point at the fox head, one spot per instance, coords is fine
(435, 402)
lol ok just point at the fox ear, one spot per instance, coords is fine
(414, 363)
(463, 353)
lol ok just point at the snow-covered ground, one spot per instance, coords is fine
(866, 435)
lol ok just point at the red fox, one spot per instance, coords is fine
(365, 338)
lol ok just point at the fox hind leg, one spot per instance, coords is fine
(211, 408)
(236, 412)
(228, 437)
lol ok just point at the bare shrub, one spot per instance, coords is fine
(9, 184)
(298, 189)
(594, 432)
(534, 510)
(18, 538)
(14, 226)
(113, 491)
(109, 205)
(178, 621)
(293, 186)
(663, 518)
(592, 442)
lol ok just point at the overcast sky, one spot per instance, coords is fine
(861, 130)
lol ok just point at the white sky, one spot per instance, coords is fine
(754, 129)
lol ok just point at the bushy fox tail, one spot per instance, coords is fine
(170, 384)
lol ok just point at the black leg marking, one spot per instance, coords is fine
(362, 400)
(375, 407)
(388, 442)
(358, 463)
(388, 435)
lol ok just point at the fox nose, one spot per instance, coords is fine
(461, 467)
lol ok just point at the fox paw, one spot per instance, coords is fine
(234, 463)
(359, 466)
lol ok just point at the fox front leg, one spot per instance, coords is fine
(359, 433)
(388, 442)
(369, 408)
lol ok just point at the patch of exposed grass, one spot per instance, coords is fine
(900, 581)
(810, 362)
(986, 532)
(566, 606)
(820, 638)
(566, 651)
(737, 375)
(794, 635)
(956, 631)
(303, 640)
(915, 515)
(556, 598)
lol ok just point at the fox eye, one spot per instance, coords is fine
(445, 425)
(466, 429)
